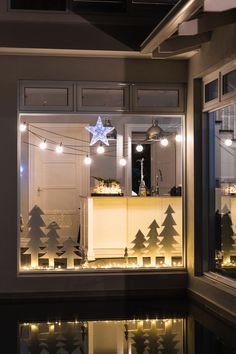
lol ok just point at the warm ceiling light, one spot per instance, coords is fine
(228, 142)
(100, 149)
(164, 142)
(23, 127)
(178, 138)
(43, 145)
(139, 148)
(123, 161)
(59, 149)
(87, 160)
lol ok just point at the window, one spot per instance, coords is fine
(111, 203)
(211, 90)
(223, 186)
(229, 82)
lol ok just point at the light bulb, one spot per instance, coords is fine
(87, 160)
(59, 149)
(164, 142)
(21, 169)
(178, 138)
(139, 148)
(228, 142)
(100, 149)
(43, 145)
(123, 161)
(23, 127)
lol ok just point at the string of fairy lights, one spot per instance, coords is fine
(100, 137)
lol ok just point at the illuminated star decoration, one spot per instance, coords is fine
(99, 132)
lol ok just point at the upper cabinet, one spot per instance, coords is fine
(157, 98)
(46, 96)
(101, 97)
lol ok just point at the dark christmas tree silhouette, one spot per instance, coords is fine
(217, 230)
(153, 240)
(168, 342)
(51, 343)
(227, 233)
(153, 341)
(52, 243)
(139, 341)
(71, 340)
(139, 246)
(35, 234)
(69, 250)
(34, 344)
(168, 234)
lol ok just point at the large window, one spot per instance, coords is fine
(223, 179)
(100, 192)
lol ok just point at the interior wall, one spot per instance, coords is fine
(14, 68)
(219, 51)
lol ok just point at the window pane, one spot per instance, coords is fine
(92, 97)
(211, 91)
(121, 209)
(35, 96)
(225, 190)
(157, 98)
(229, 82)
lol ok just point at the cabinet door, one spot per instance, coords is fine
(46, 96)
(102, 97)
(157, 98)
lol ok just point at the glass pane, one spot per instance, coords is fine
(158, 98)
(211, 90)
(229, 82)
(103, 97)
(101, 193)
(225, 190)
(34, 96)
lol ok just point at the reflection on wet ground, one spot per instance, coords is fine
(114, 327)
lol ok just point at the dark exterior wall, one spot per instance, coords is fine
(14, 68)
(219, 51)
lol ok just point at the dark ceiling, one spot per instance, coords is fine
(128, 21)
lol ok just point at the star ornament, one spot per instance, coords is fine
(99, 132)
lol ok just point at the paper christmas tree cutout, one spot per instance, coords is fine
(227, 233)
(52, 243)
(139, 246)
(169, 343)
(168, 234)
(139, 341)
(153, 341)
(69, 249)
(153, 240)
(35, 234)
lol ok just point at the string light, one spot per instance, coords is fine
(178, 138)
(23, 127)
(123, 161)
(139, 148)
(228, 142)
(164, 142)
(87, 160)
(43, 145)
(59, 149)
(100, 149)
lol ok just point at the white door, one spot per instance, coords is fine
(58, 182)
